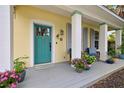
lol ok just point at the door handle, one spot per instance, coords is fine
(50, 46)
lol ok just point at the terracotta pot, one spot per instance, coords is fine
(115, 59)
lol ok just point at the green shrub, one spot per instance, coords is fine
(19, 64)
(88, 59)
(111, 52)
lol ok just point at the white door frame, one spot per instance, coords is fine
(32, 40)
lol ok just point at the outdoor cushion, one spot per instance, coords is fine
(92, 51)
(121, 56)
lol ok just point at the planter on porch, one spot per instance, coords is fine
(78, 65)
(88, 60)
(20, 67)
(22, 76)
(110, 61)
(87, 67)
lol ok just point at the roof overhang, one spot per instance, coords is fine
(112, 13)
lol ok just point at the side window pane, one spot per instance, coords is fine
(69, 32)
(97, 39)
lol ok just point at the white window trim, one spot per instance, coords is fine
(32, 41)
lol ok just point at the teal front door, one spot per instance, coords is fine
(42, 44)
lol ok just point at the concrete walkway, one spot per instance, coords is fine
(62, 75)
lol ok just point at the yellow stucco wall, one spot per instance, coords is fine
(22, 31)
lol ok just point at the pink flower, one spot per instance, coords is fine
(13, 85)
(13, 71)
(17, 76)
(6, 73)
(2, 75)
(3, 79)
(13, 76)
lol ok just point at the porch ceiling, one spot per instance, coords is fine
(62, 10)
(96, 13)
(92, 14)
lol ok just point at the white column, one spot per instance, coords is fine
(103, 44)
(6, 37)
(118, 39)
(76, 35)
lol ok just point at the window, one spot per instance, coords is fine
(96, 40)
(85, 38)
(69, 33)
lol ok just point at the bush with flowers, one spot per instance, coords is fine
(20, 66)
(84, 63)
(88, 59)
(78, 64)
(8, 79)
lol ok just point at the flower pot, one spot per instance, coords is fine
(87, 67)
(22, 76)
(78, 70)
(109, 61)
(115, 59)
(121, 56)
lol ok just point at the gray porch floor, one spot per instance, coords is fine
(62, 75)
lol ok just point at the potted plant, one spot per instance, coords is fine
(9, 79)
(91, 60)
(87, 67)
(88, 60)
(20, 67)
(78, 65)
(112, 54)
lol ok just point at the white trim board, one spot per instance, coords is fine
(32, 40)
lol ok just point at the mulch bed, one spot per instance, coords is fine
(115, 80)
